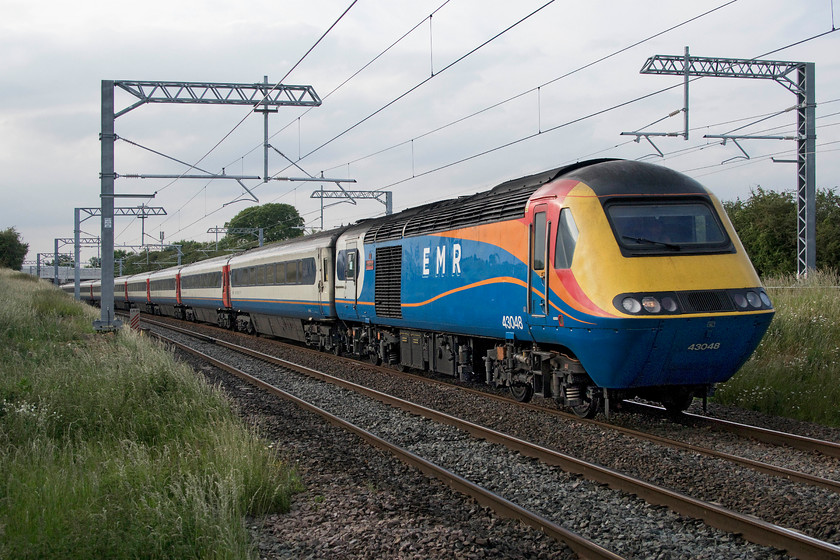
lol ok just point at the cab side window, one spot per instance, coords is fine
(567, 236)
(538, 242)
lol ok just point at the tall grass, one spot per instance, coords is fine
(111, 449)
(795, 371)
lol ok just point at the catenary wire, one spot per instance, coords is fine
(573, 121)
(567, 74)
(194, 166)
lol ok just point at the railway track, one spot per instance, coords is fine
(753, 529)
(584, 548)
(771, 437)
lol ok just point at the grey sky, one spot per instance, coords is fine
(56, 53)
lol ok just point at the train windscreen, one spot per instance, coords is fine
(662, 227)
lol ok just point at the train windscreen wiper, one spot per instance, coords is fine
(652, 242)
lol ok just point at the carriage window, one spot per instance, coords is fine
(346, 265)
(351, 264)
(668, 227)
(269, 273)
(292, 272)
(567, 235)
(307, 271)
(340, 265)
(538, 242)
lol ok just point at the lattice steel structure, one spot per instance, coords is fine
(143, 211)
(77, 242)
(797, 77)
(385, 197)
(258, 95)
(237, 231)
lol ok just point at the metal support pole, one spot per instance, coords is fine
(265, 140)
(685, 90)
(38, 266)
(261, 237)
(806, 203)
(107, 322)
(55, 264)
(77, 226)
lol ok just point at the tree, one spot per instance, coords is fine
(766, 224)
(279, 221)
(12, 249)
(828, 229)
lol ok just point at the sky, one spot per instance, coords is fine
(477, 94)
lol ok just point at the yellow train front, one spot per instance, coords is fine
(644, 284)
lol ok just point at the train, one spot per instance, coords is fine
(587, 284)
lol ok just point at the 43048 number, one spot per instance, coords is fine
(511, 322)
(705, 346)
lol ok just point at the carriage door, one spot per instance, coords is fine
(351, 271)
(538, 246)
(226, 286)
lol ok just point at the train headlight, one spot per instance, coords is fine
(753, 299)
(651, 305)
(631, 305)
(765, 300)
(740, 300)
(655, 303)
(668, 304)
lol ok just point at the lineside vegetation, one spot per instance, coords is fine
(111, 449)
(795, 372)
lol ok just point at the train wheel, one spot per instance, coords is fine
(373, 357)
(522, 392)
(587, 410)
(677, 403)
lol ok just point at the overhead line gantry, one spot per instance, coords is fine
(798, 78)
(258, 95)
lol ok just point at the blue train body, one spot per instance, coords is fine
(586, 283)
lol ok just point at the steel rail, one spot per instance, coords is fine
(503, 507)
(751, 528)
(804, 443)
(758, 466)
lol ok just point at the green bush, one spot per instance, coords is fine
(110, 448)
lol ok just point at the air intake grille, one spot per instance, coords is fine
(388, 279)
(705, 301)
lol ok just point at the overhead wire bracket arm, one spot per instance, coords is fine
(257, 94)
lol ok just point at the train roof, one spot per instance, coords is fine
(303, 243)
(503, 202)
(506, 201)
(612, 178)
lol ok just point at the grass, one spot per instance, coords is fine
(110, 448)
(795, 372)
